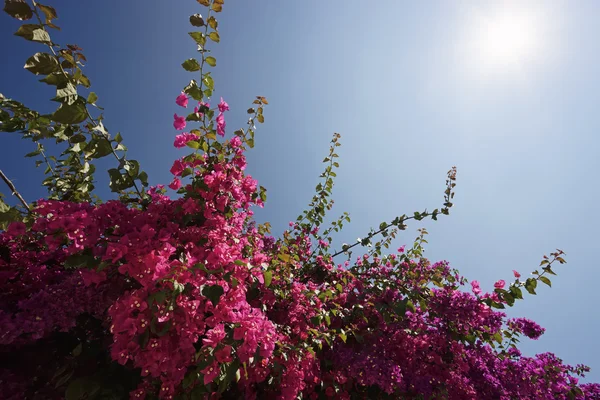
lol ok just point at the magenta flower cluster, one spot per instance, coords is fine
(189, 298)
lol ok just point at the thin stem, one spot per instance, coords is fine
(47, 161)
(14, 191)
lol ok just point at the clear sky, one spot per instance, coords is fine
(507, 92)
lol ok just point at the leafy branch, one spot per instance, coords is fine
(72, 110)
(399, 222)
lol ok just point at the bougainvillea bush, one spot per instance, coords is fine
(147, 296)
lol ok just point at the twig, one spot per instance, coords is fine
(14, 191)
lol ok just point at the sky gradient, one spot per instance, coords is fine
(413, 89)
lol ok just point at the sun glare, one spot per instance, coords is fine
(507, 40)
(503, 40)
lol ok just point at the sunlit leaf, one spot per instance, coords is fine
(211, 61)
(70, 113)
(191, 65)
(41, 63)
(34, 33)
(214, 36)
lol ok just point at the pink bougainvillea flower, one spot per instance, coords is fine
(177, 167)
(179, 122)
(221, 124)
(236, 142)
(224, 355)
(210, 373)
(475, 288)
(16, 229)
(517, 275)
(214, 336)
(223, 106)
(401, 249)
(500, 284)
(182, 100)
(181, 140)
(92, 277)
(176, 184)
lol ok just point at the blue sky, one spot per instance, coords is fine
(414, 88)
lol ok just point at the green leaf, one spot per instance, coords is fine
(143, 177)
(118, 181)
(18, 9)
(263, 194)
(194, 91)
(63, 379)
(214, 36)
(530, 285)
(178, 288)
(268, 275)
(214, 293)
(83, 80)
(198, 37)
(70, 113)
(82, 388)
(212, 22)
(8, 215)
(208, 81)
(33, 153)
(98, 148)
(82, 260)
(191, 65)
(546, 280)
(79, 138)
(41, 63)
(92, 97)
(516, 292)
(77, 350)
(56, 79)
(132, 167)
(193, 144)
(157, 297)
(196, 20)
(34, 33)
(48, 11)
(211, 61)
(66, 94)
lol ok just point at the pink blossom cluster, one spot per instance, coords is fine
(189, 298)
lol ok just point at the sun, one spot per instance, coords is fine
(507, 40)
(504, 39)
